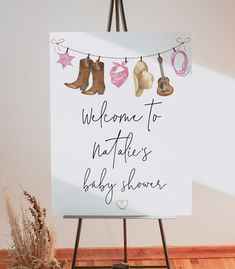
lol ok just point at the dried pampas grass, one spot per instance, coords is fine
(33, 241)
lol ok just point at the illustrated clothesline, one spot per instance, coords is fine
(179, 40)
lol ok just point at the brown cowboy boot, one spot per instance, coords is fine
(98, 79)
(83, 77)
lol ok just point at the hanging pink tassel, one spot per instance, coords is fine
(120, 77)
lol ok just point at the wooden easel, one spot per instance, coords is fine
(119, 7)
(125, 251)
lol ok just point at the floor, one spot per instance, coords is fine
(225, 263)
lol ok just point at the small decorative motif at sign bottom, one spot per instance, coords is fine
(122, 204)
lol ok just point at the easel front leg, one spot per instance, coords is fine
(75, 253)
(164, 244)
(110, 16)
(119, 12)
(123, 16)
(125, 241)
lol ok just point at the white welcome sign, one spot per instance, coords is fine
(116, 154)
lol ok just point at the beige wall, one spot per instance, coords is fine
(24, 110)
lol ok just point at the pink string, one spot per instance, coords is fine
(185, 67)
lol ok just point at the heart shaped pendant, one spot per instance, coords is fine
(122, 204)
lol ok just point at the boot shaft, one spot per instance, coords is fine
(98, 72)
(98, 79)
(85, 68)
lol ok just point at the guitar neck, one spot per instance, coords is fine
(162, 72)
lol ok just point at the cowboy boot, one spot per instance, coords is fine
(98, 86)
(82, 80)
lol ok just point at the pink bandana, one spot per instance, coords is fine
(119, 78)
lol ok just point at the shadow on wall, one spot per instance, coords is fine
(217, 205)
(211, 208)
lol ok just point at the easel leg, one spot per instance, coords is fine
(125, 241)
(75, 253)
(110, 16)
(119, 11)
(117, 15)
(164, 244)
(123, 16)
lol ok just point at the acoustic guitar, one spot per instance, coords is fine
(164, 87)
